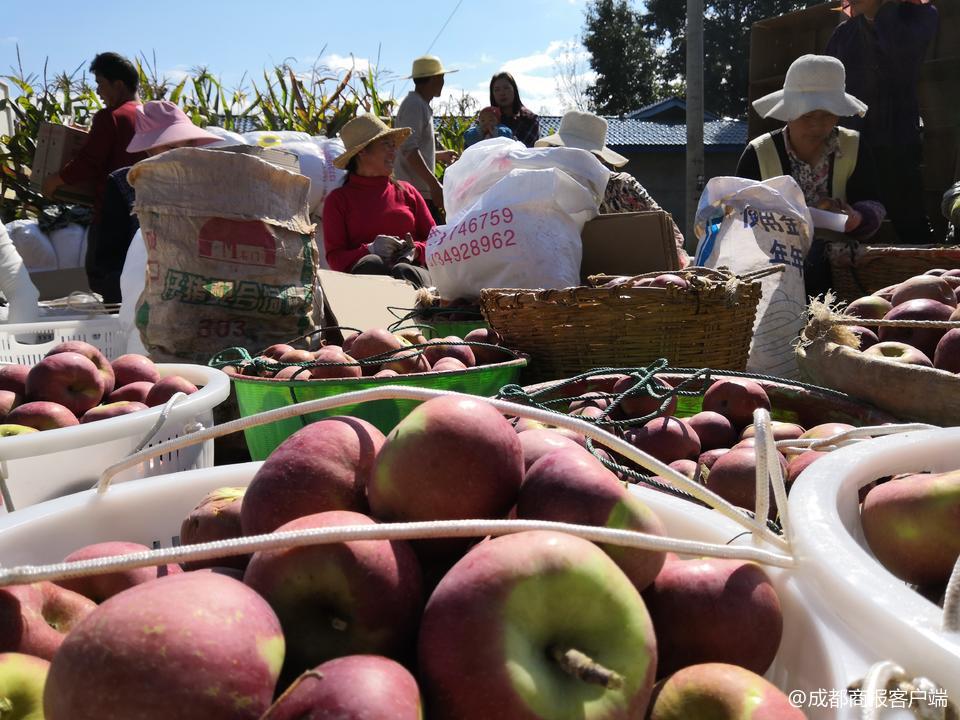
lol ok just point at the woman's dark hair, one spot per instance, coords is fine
(116, 67)
(516, 93)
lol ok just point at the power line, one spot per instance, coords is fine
(444, 26)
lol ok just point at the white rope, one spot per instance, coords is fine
(164, 414)
(390, 392)
(876, 680)
(951, 601)
(386, 531)
(850, 437)
(763, 430)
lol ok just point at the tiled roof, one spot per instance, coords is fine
(646, 135)
(649, 112)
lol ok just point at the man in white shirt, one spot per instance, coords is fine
(418, 155)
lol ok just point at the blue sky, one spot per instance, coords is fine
(525, 37)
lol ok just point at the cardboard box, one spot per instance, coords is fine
(361, 301)
(628, 244)
(56, 146)
(54, 284)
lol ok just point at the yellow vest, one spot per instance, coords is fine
(843, 165)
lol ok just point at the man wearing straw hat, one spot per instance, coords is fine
(418, 155)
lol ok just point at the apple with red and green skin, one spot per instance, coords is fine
(448, 364)
(355, 686)
(334, 354)
(926, 287)
(799, 463)
(406, 363)
(947, 355)
(719, 691)
(335, 599)
(910, 524)
(66, 378)
(94, 355)
(451, 458)
(14, 378)
(486, 355)
(713, 429)
(412, 336)
(387, 373)
(10, 430)
(296, 356)
(277, 351)
(324, 466)
(733, 477)
(8, 401)
(112, 410)
(572, 486)
(899, 352)
(781, 430)
(538, 442)
(590, 399)
(371, 343)
(708, 458)
(870, 307)
(166, 388)
(195, 646)
(887, 292)
(506, 626)
(923, 339)
(22, 678)
(131, 368)
(736, 399)
(100, 587)
(866, 338)
(440, 348)
(665, 438)
(132, 392)
(216, 517)
(293, 373)
(714, 610)
(42, 415)
(641, 404)
(35, 618)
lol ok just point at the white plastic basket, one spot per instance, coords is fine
(44, 465)
(820, 654)
(27, 343)
(827, 534)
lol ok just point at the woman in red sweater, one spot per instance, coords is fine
(373, 224)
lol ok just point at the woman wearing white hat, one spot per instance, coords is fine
(833, 169)
(624, 193)
(374, 224)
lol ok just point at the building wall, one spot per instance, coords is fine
(663, 175)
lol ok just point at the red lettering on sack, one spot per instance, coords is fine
(244, 242)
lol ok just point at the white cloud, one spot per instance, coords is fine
(536, 75)
(344, 62)
(486, 59)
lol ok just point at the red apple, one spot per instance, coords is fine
(733, 477)
(713, 429)
(708, 458)
(669, 280)
(335, 355)
(924, 339)
(866, 337)
(14, 378)
(801, 462)
(194, 646)
(69, 379)
(947, 355)
(133, 368)
(665, 438)
(486, 355)
(870, 307)
(440, 348)
(8, 401)
(781, 430)
(642, 403)
(538, 442)
(294, 372)
(94, 355)
(42, 415)
(736, 399)
(133, 392)
(111, 410)
(386, 373)
(900, 352)
(924, 286)
(167, 387)
(276, 352)
(100, 587)
(216, 517)
(35, 618)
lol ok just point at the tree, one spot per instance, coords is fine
(726, 40)
(570, 77)
(623, 57)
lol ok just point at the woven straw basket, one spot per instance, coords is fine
(567, 332)
(860, 270)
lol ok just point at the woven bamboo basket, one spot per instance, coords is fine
(860, 270)
(567, 332)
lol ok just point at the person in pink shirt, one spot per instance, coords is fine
(374, 224)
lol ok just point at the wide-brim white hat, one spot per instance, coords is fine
(428, 66)
(813, 82)
(585, 131)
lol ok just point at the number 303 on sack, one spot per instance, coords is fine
(474, 236)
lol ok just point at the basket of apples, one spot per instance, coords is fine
(898, 349)
(353, 559)
(73, 413)
(861, 269)
(282, 375)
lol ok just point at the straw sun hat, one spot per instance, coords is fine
(813, 82)
(585, 131)
(363, 130)
(428, 66)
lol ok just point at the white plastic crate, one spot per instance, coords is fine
(44, 465)
(27, 343)
(827, 534)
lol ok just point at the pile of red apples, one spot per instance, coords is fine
(376, 353)
(530, 625)
(75, 383)
(932, 296)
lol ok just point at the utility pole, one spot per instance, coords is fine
(695, 172)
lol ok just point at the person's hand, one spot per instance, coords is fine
(408, 253)
(386, 246)
(51, 184)
(446, 157)
(854, 217)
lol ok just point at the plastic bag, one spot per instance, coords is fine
(70, 245)
(316, 162)
(746, 225)
(32, 244)
(274, 138)
(132, 281)
(484, 164)
(15, 283)
(229, 137)
(524, 232)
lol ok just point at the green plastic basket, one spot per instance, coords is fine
(442, 329)
(255, 395)
(432, 323)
